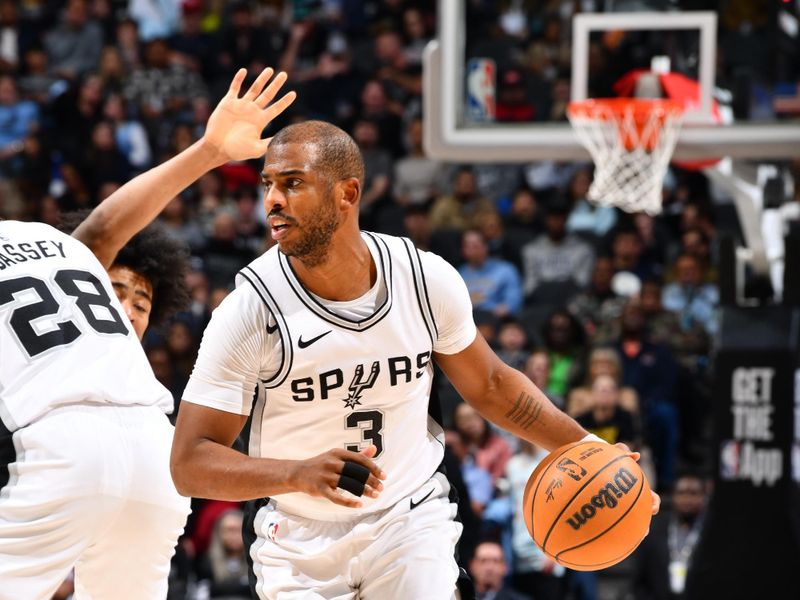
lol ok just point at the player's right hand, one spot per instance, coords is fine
(234, 129)
(319, 476)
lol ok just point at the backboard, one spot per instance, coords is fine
(766, 123)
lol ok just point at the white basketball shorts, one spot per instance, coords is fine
(90, 488)
(407, 551)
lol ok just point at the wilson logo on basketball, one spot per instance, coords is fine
(607, 497)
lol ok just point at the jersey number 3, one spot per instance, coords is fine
(370, 422)
(90, 297)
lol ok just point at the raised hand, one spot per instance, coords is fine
(234, 128)
(319, 476)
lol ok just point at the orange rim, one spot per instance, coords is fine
(612, 108)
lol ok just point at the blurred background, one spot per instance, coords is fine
(614, 315)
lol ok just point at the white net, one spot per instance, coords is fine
(631, 142)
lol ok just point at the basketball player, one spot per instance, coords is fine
(328, 343)
(84, 441)
(148, 273)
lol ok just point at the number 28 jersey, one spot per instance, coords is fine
(337, 374)
(64, 337)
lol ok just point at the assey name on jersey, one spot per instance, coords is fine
(356, 380)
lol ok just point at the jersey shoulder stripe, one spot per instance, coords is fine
(287, 353)
(421, 289)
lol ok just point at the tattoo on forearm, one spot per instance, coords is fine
(526, 411)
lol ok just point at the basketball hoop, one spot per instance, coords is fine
(631, 141)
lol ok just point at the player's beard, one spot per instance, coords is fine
(315, 236)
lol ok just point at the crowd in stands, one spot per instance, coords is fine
(612, 315)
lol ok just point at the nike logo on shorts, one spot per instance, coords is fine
(416, 504)
(306, 343)
(272, 329)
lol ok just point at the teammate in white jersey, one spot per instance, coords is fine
(327, 344)
(84, 441)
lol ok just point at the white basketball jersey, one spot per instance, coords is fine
(64, 337)
(347, 384)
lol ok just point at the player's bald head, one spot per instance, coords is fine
(335, 152)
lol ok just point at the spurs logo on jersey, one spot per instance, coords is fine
(59, 316)
(397, 369)
(366, 382)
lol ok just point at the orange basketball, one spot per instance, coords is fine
(587, 505)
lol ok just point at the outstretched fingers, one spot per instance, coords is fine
(271, 90)
(276, 108)
(258, 84)
(236, 84)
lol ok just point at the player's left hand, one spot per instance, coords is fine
(234, 129)
(636, 456)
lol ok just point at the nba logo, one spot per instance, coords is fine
(729, 460)
(481, 74)
(272, 531)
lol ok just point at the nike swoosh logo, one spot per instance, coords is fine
(416, 504)
(306, 343)
(273, 329)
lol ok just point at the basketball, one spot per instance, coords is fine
(587, 505)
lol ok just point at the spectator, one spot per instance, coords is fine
(417, 227)
(102, 159)
(533, 571)
(689, 345)
(477, 479)
(128, 44)
(377, 169)
(416, 177)
(556, 256)
(650, 370)
(513, 104)
(628, 254)
(402, 81)
(562, 336)
(537, 369)
(490, 450)
(488, 569)
(513, 342)
(179, 223)
(18, 118)
(602, 361)
(11, 44)
(375, 106)
(249, 227)
(664, 558)
(130, 136)
(226, 570)
(491, 226)
(38, 83)
(416, 36)
(74, 46)
(156, 20)
(696, 242)
(191, 46)
(225, 253)
(694, 301)
(587, 218)
(605, 417)
(161, 91)
(599, 304)
(112, 70)
(464, 207)
(522, 223)
(77, 111)
(493, 284)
